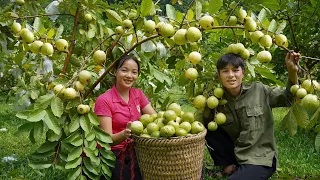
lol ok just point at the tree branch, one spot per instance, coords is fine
(75, 24)
(112, 64)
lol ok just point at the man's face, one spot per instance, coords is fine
(231, 79)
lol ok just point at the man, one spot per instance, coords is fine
(245, 145)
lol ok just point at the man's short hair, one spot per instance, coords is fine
(232, 59)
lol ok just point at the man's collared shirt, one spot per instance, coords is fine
(250, 122)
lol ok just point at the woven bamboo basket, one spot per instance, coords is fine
(170, 158)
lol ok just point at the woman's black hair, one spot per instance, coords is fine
(119, 63)
(233, 59)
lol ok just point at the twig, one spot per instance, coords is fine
(189, 6)
(306, 57)
(112, 64)
(39, 15)
(75, 23)
(232, 11)
(292, 31)
(87, 57)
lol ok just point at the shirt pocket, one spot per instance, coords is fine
(254, 118)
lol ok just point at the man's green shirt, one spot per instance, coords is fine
(250, 122)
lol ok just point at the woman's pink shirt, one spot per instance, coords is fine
(112, 105)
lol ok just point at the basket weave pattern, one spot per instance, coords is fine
(173, 158)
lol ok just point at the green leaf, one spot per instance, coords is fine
(93, 118)
(267, 74)
(60, 81)
(317, 129)
(42, 155)
(23, 114)
(108, 162)
(183, 80)
(73, 136)
(301, 115)
(90, 135)
(89, 174)
(34, 95)
(190, 15)
(91, 33)
(85, 123)
(38, 130)
(92, 145)
(52, 136)
(94, 160)
(44, 101)
(74, 173)
(104, 145)
(52, 122)
(314, 3)
(57, 106)
(27, 127)
(89, 166)
(313, 120)
(40, 164)
(272, 26)
(75, 153)
(47, 146)
(31, 136)
(51, 33)
(36, 115)
(198, 9)
(251, 69)
(262, 15)
(145, 8)
(82, 177)
(113, 16)
(107, 154)
(74, 163)
(37, 24)
(165, 103)
(171, 12)
(281, 26)
(78, 141)
(289, 122)
(102, 135)
(272, 4)
(214, 6)
(59, 31)
(317, 142)
(74, 124)
(106, 170)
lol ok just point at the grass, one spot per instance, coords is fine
(18, 147)
(297, 156)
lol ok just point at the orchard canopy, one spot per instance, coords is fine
(58, 56)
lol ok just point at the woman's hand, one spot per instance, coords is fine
(127, 132)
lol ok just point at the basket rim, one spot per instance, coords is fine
(161, 139)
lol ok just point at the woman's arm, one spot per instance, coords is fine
(106, 125)
(148, 109)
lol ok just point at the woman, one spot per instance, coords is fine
(118, 107)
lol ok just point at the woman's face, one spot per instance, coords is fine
(127, 74)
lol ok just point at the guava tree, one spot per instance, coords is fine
(60, 56)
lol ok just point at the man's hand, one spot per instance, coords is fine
(292, 60)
